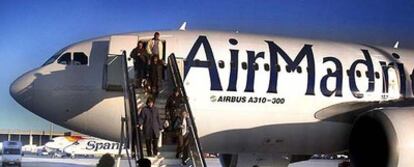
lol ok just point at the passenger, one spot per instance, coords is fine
(150, 120)
(154, 75)
(155, 46)
(182, 127)
(174, 101)
(144, 162)
(140, 62)
(106, 161)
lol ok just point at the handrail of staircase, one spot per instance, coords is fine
(131, 111)
(179, 84)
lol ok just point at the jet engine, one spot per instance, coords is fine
(383, 138)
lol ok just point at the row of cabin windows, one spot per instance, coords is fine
(256, 66)
(79, 58)
(298, 69)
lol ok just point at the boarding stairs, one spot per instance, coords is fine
(118, 77)
(172, 79)
(167, 149)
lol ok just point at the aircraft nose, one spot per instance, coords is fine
(22, 90)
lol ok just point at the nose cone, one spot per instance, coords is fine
(22, 90)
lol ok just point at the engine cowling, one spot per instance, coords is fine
(383, 138)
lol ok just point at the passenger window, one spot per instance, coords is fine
(65, 59)
(221, 63)
(80, 58)
(244, 65)
(395, 55)
(256, 66)
(358, 73)
(287, 69)
(299, 69)
(377, 75)
(266, 67)
(278, 68)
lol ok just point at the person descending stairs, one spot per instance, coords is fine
(167, 140)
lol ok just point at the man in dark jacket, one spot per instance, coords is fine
(139, 56)
(155, 75)
(183, 130)
(174, 101)
(151, 122)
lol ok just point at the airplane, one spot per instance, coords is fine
(82, 146)
(256, 99)
(60, 143)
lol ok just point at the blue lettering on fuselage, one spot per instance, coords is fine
(210, 63)
(276, 53)
(292, 65)
(337, 75)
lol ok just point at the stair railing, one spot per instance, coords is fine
(196, 152)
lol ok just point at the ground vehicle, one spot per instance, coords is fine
(12, 153)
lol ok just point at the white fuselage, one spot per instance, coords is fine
(276, 111)
(83, 146)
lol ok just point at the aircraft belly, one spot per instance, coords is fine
(292, 138)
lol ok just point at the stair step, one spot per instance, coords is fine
(155, 160)
(161, 100)
(170, 162)
(168, 154)
(161, 160)
(168, 147)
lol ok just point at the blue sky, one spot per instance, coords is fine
(31, 31)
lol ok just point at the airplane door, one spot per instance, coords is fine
(172, 46)
(113, 68)
(388, 77)
(393, 84)
(119, 43)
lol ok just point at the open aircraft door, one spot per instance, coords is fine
(113, 69)
(120, 43)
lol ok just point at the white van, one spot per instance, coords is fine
(12, 153)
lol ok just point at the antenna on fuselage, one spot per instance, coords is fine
(396, 45)
(182, 28)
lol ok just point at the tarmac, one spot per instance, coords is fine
(36, 161)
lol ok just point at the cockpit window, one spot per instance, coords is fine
(51, 59)
(54, 57)
(65, 59)
(80, 58)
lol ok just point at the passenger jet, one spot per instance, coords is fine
(256, 99)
